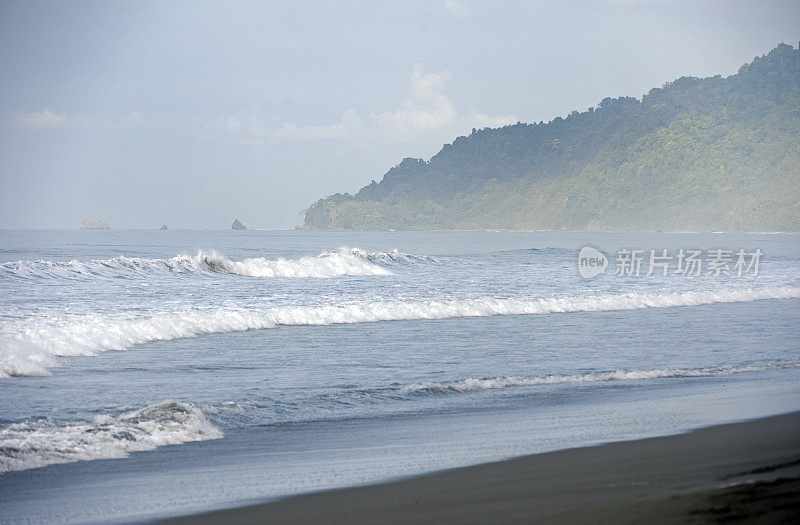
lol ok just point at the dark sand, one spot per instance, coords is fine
(741, 472)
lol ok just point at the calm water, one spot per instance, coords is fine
(283, 362)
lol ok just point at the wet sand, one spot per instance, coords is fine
(740, 472)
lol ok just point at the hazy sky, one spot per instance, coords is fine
(195, 113)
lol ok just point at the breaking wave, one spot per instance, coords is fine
(494, 383)
(42, 442)
(344, 261)
(28, 348)
(351, 402)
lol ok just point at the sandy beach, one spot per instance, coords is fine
(735, 472)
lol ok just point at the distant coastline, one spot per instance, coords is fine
(524, 230)
(711, 154)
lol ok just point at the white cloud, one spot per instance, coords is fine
(496, 121)
(245, 127)
(457, 9)
(350, 124)
(429, 109)
(134, 118)
(226, 124)
(42, 119)
(47, 119)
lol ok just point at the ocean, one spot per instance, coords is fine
(146, 374)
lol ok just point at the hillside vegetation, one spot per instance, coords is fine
(697, 154)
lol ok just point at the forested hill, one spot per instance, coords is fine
(695, 155)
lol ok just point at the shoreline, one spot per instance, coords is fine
(506, 230)
(447, 230)
(746, 470)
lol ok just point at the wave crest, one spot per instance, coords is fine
(344, 261)
(37, 443)
(29, 348)
(473, 384)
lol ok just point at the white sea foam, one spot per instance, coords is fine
(37, 443)
(28, 347)
(473, 384)
(344, 261)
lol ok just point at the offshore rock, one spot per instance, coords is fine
(94, 224)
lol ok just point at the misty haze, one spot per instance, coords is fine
(399, 262)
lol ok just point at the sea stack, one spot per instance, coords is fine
(238, 225)
(94, 224)
(163, 227)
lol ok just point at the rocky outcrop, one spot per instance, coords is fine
(238, 225)
(94, 224)
(163, 227)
